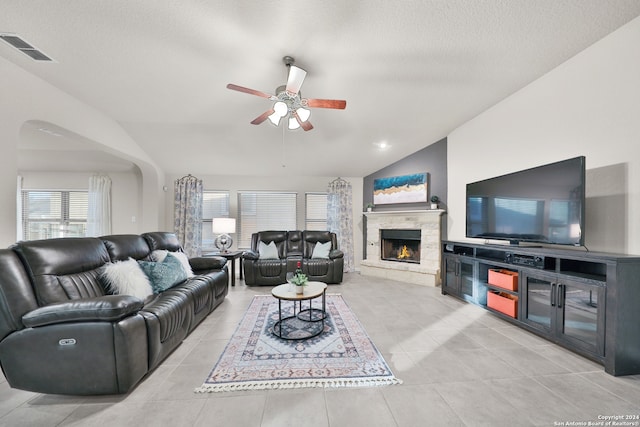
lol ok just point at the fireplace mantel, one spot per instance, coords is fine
(429, 222)
(410, 212)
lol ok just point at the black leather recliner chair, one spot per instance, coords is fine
(293, 247)
(266, 271)
(327, 270)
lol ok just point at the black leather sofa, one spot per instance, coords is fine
(62, 332)
(292, 247)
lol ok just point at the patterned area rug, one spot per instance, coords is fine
(341, 356)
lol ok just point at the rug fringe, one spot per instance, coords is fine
(293, 384)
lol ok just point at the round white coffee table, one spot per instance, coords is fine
(311, 291)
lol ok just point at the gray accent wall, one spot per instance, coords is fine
(431, 159)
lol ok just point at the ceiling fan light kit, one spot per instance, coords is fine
(288, 101)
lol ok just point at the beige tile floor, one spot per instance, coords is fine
(461, 366)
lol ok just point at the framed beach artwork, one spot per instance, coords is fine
(400, 189)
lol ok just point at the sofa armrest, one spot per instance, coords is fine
(336, 253)
(250, 255)
(108, 308)
(207, 263)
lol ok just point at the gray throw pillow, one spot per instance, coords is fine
(269, 251)
(321, 250)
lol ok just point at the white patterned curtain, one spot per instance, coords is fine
(187, 214)
(99, 206)
(340, 218)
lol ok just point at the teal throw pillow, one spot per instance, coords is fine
(164, 275)
(321, 250)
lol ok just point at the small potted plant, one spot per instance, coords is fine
(434, 202)
(300, 281)
(369, 207)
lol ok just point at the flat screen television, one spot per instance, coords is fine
(544, 204)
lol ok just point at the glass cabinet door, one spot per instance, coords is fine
(581, 315)
(538, 309)
(451, 284)
(466, 281)
(568, 310)
(458, 279)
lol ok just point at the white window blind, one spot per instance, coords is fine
(215, 204)
(49, 214)
(261, 211)
(316, 211)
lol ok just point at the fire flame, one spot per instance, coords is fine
(404, 252)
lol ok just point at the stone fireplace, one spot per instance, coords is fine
(404, 246)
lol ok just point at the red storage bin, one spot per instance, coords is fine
(505, 279)
(503, 302)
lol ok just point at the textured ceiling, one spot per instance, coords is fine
(411, 71)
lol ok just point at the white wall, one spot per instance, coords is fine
(588, 106)
(299, 184)
(25, 97)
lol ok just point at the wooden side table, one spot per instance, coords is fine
(231, 256)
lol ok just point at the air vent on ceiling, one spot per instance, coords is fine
(24, 47)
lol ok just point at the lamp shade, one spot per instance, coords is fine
(223, 225)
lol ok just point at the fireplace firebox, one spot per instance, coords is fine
(400, 245)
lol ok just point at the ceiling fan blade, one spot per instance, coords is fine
(304, 125)
(296, 77)
(262, 117)
(327, 103)
(249, 91)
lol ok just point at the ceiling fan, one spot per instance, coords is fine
(288, 101)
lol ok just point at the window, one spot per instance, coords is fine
(215, 204)
(49, 214)
(259, 211)
(316, 211)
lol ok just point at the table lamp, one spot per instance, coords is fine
(222, 227)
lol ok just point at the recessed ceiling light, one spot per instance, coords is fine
(381, 145)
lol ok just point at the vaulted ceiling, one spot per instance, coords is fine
(411, 72)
